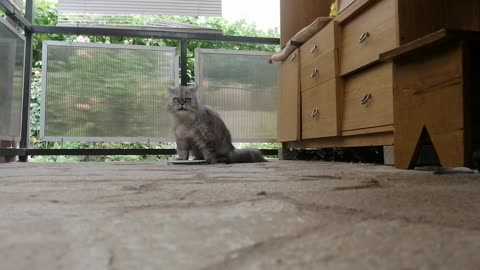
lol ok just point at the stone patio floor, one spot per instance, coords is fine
(274, 215)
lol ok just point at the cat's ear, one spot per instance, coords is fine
(171, 89)
(194, 88)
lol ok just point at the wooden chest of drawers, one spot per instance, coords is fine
(340, 93)
(336, 100)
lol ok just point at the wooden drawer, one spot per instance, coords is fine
(366, 35)
(321, 43)
(368, 101)
(324, 67)
(319, 57)
(320, 110)
(288, 126)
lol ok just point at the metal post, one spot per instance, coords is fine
(183, 61)
(24, 141)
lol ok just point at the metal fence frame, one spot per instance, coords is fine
(26, 23)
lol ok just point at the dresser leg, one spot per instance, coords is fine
(407, 146)
(450, 148)
(389, 155)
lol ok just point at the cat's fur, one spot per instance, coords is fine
(200, 130)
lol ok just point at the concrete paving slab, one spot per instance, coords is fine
(275, 215)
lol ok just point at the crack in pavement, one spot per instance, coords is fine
(366, 215)
(239, 256)
(366, 185)
(301, 206)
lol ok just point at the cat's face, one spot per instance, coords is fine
(183, 100)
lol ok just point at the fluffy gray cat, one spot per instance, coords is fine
(200, 130)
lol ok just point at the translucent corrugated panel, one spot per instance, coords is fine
(161, 7)
(103, 92)
(17, 3)
(12, 52)
(242, 87)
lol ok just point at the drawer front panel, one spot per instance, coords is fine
(367, 35)
(320, 110)
(368, 101)
(324, 68)
(321, 43)
(288, 126)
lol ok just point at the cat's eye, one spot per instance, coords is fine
(188, 99)
(175, 99)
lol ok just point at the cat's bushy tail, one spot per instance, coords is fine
(247, 155)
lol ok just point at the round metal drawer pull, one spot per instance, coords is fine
(314, 73)
(363, 37)
(366, 98)
(314, 48)
(315, 113)
(293, 57)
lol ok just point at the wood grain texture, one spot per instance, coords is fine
(320, 55)
(429, 82)
(288, 126)
(419, 18)
(322, 69)
(411, 47)
(321, 43)
(343, 4)
(428, 41)
(296, 14)
(463, 14)
(375, 139)
(367, 130)
(353, 9)
(319, 110)
(378, 110)
(428, 93)
(379, 22)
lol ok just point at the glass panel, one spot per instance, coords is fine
(242, 87)
(12, 51)
(103, 92)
